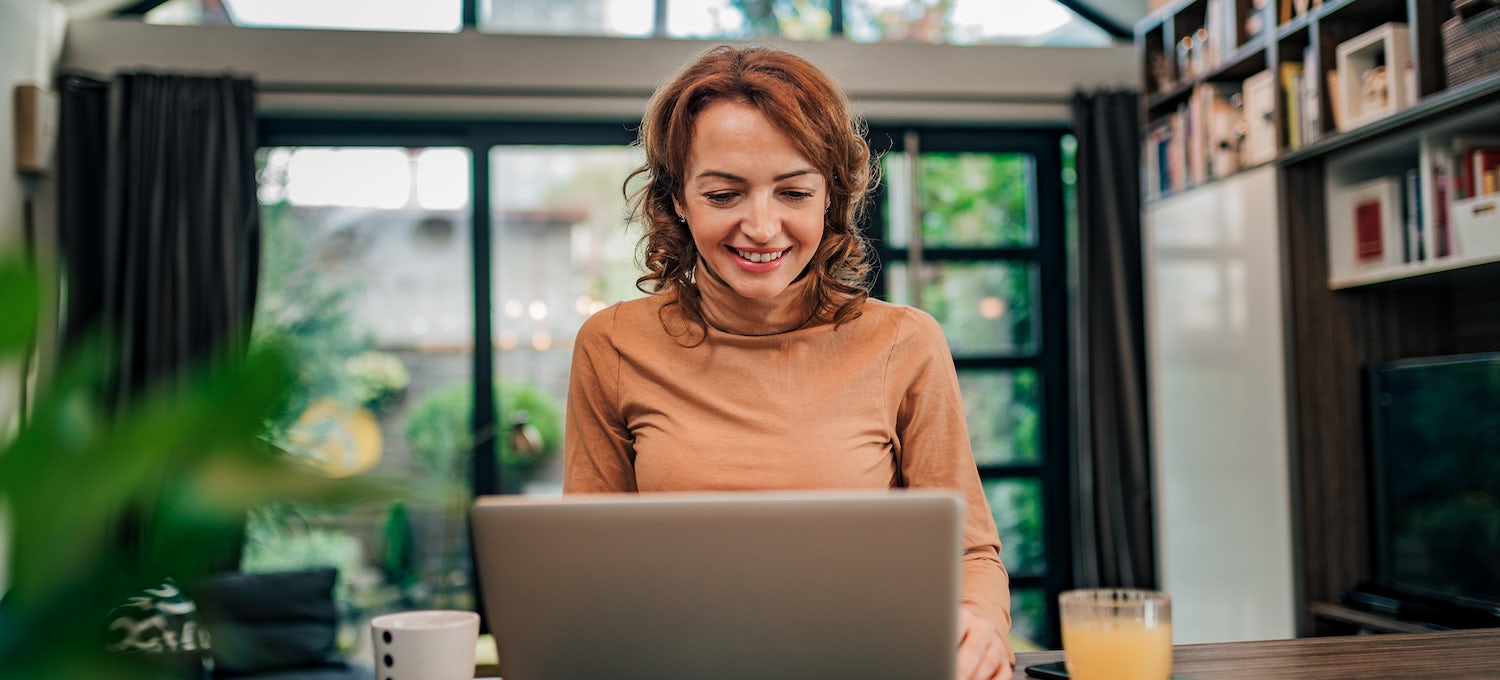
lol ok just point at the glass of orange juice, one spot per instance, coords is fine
(1117, 634)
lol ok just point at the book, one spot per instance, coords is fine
(1475, 156)
(1415, 247)
(1291, 86)
(1486, 161)
(1335, 99)
(1369, 242)
(1260, 118)
(1442, 243)
(1310, 108)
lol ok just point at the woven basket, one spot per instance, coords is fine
(1471, 41)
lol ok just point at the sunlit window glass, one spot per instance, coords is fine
(1003, 410)
(985, 308)
(366, 282)
(969, 22)
(624, 18)
(561, 253)
(433, 16)
(745, 19)
(970, 200)
(1028, 612)
(1017, 507)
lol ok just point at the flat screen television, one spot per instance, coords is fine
(1435, 445)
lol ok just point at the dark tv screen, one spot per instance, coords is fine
(1436, 454)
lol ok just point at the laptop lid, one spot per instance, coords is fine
(685, 586)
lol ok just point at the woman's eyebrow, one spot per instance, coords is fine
(736, 178)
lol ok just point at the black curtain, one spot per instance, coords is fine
(158, 233)
(158, 222)
(1112, 499)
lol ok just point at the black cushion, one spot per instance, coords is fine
(269, 621)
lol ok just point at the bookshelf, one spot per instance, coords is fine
(1432, 286)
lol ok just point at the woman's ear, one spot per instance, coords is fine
(677, 205)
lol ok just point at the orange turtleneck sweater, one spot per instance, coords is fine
(770, 400)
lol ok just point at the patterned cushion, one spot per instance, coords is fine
(161, 625)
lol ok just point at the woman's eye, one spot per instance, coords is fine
(720, 198)
(797, 195)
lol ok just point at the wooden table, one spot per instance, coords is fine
(1451, 655)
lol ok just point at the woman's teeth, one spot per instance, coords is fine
(760, 257)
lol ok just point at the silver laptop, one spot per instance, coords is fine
(688, 586)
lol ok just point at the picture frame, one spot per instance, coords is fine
(1373, 74)
(1374, 212)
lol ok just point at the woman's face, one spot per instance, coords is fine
(754, 204)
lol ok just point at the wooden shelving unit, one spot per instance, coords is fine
(1338, 318)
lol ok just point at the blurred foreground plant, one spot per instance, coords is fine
(184, 462)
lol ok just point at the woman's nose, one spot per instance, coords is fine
(761, 222)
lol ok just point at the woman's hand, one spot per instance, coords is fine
(981, 652)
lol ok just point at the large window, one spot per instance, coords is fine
(953, 22)
(971, 229)
(369, 276)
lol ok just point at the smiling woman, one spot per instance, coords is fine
(759, 361)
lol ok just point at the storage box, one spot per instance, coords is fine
(1476, 226)
(1471, 41)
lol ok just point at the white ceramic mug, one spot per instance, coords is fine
(425, 645)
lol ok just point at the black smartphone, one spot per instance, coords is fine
(1059, 671)
(1048, 671)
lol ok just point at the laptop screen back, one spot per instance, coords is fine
(730, 585)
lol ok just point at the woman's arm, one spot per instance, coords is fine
(934, 451)
(598, 455)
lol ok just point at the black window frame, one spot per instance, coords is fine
(1048, 254)
(1051, 352)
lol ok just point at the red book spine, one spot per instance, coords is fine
(1368, 246)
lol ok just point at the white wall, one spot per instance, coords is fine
(30, 40)
(1215, 339)
(497, 76)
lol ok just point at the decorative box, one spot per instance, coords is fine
(1471, 41)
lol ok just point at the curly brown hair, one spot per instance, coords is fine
(805, 105)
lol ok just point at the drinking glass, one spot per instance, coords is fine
(1117, 634)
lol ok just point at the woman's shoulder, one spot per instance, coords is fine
(902, 319)
(636, 315)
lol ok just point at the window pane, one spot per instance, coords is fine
(1028, 615)
(1003, 411)
(749, 19)
(627, 18)
(1017, 507)
(561, 253)
(969, 200)
(437, 16)
(985, 308)
(365, 278)
(970, 22)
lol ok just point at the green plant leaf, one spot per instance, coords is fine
(21, 291)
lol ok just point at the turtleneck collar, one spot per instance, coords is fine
(730, 312)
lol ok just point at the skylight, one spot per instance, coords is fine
(958, 22)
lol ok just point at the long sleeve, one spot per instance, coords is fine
(598, 454)
(934, 451)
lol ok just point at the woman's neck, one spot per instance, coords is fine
(730, 312)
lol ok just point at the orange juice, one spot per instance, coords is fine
(1118, 649)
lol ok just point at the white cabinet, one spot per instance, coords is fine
(1218, 409)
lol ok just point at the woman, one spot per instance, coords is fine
(759, 362)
